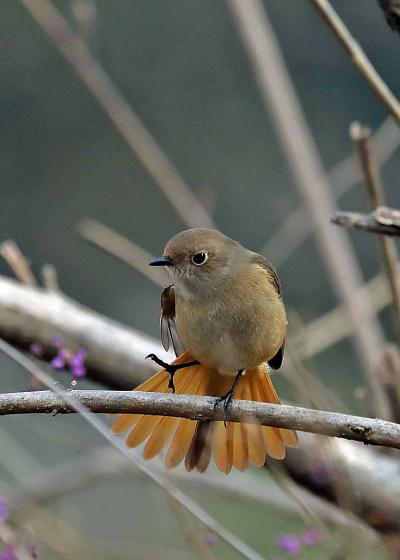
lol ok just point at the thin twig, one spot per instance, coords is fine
(10, 252)
(309, 177)
(50, 278)
(359, 58)
(361, 137)
(357, 428)
(367, 222)
(180, 497)
(117, 108)
(297, 227)
(122, 248)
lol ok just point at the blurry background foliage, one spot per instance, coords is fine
(183, 68)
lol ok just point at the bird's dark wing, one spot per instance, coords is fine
(261, 261)
(168, 332)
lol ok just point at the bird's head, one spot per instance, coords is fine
(200, 260)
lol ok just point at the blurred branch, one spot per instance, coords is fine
(367, 430)
(281, 99)
(50, 278)
(359, 58)
(391, 9)
(122, 248)
(118, 110)
(361, 137)
(115, 353)
(104, 463)
(373, 478)
(10, 252)
(383, 220)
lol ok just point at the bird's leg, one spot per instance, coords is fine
(171, 368)
(227, 398)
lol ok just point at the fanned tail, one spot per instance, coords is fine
(235, 446)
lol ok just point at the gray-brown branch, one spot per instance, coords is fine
(115, 352)
(367, 430)
(383, 220)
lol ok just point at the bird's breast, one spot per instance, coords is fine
(240, 326)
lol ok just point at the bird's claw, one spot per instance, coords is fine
(226, 399)
(169, 368)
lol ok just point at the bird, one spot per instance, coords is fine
(223, 315)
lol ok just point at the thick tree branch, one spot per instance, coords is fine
(115, 353)
(383, 220)
(367, 430)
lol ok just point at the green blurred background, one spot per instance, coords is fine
(183, 69)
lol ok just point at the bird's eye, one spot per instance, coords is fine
(199, 258)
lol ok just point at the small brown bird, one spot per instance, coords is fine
(224, 316)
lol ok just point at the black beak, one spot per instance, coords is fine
(162, 261)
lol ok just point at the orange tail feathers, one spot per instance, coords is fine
(237, 445)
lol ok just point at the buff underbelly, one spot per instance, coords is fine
(230, 345)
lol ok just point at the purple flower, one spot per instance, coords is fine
(290, 544)
(78, 372)
(77, 364)
(311, 537)
(3, 509)
(58, 362)
(36, 349)
(8, 554)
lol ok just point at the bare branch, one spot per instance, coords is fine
(372, 222)
(50, 278)
(10, 252)
(115, 353)
(297, 227)
(359, 58)
(121, 114)
(367, 430)
(361, 137)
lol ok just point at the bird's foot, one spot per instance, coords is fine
(226, 399)
(170, 368)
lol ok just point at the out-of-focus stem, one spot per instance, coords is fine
(369, 165)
